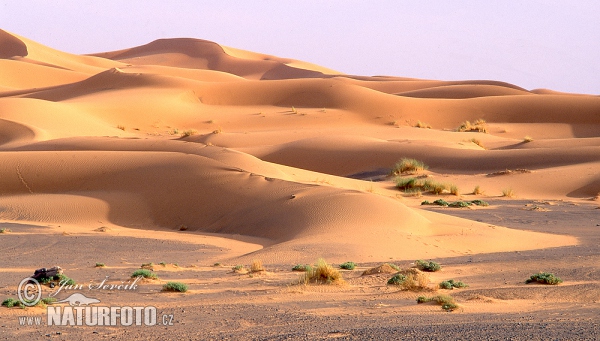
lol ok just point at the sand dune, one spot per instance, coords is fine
(275, 125)
(187, 149)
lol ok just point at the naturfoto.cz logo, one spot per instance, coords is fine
(81, 310)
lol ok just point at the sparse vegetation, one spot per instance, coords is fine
(410, 279)
(256, 266)
(100, 265)
(477, 190)
(544, 278)
(429, 266)
(477, 142)
(477, 126)
(412, 185)
(508, 192)
(217, 264)
(451, 284)
(294, 110)
(4, 230)
(11, 302)
(323, 273)
(175, 286)
(189, 132)
(302, 267)
(527, 139)
(394, 266)
(144, 273)
(149, 266)
(441, 202)
(238, 267)
(162, 263)
(217, 131)
(406, 165)
(121, 127)
(447, 302)
(420, 124)
(348, 266)
(454, 190)
(48, 300)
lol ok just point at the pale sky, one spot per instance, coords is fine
(533, 44)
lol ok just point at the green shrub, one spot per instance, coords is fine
(302, 267)
(394, 266)
(11, 302)
(410, 279)
(459, 204)
(4, 230)
(348, 265)
(447, 302)
(238, 267)
(429, 266)
(544, 278)
(397, 279)
(100, 265)
(48, 300)
(451, 284)
(175, 286)
(144, 273)
(406, 165)
(479, 202)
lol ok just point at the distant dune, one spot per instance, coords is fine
(185, 132)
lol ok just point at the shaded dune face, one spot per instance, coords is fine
(185, 132)
(11, 46)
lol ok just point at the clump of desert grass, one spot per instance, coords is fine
(477, 190)
(410, 279)
(527, 139)
(544, 278)
(447, 302)
(477, 142)
(408, 166)
(189, 132)
(100, 265)
(420, 124)
(5, 230)
(508, 192)
(417, 185)
(256, 266)
(477, 126)
(121, 127)
(322, 273)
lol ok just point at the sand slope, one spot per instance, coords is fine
(276, 149)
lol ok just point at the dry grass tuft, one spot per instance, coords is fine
(508, 192)
(410, 279)
(257, 266)
(477, 126)
(322, 273)
(527, 139)
(422, 125)
(121, 127)
(407, 165)
(477, 190)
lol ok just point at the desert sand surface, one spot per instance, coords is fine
(203, 157)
